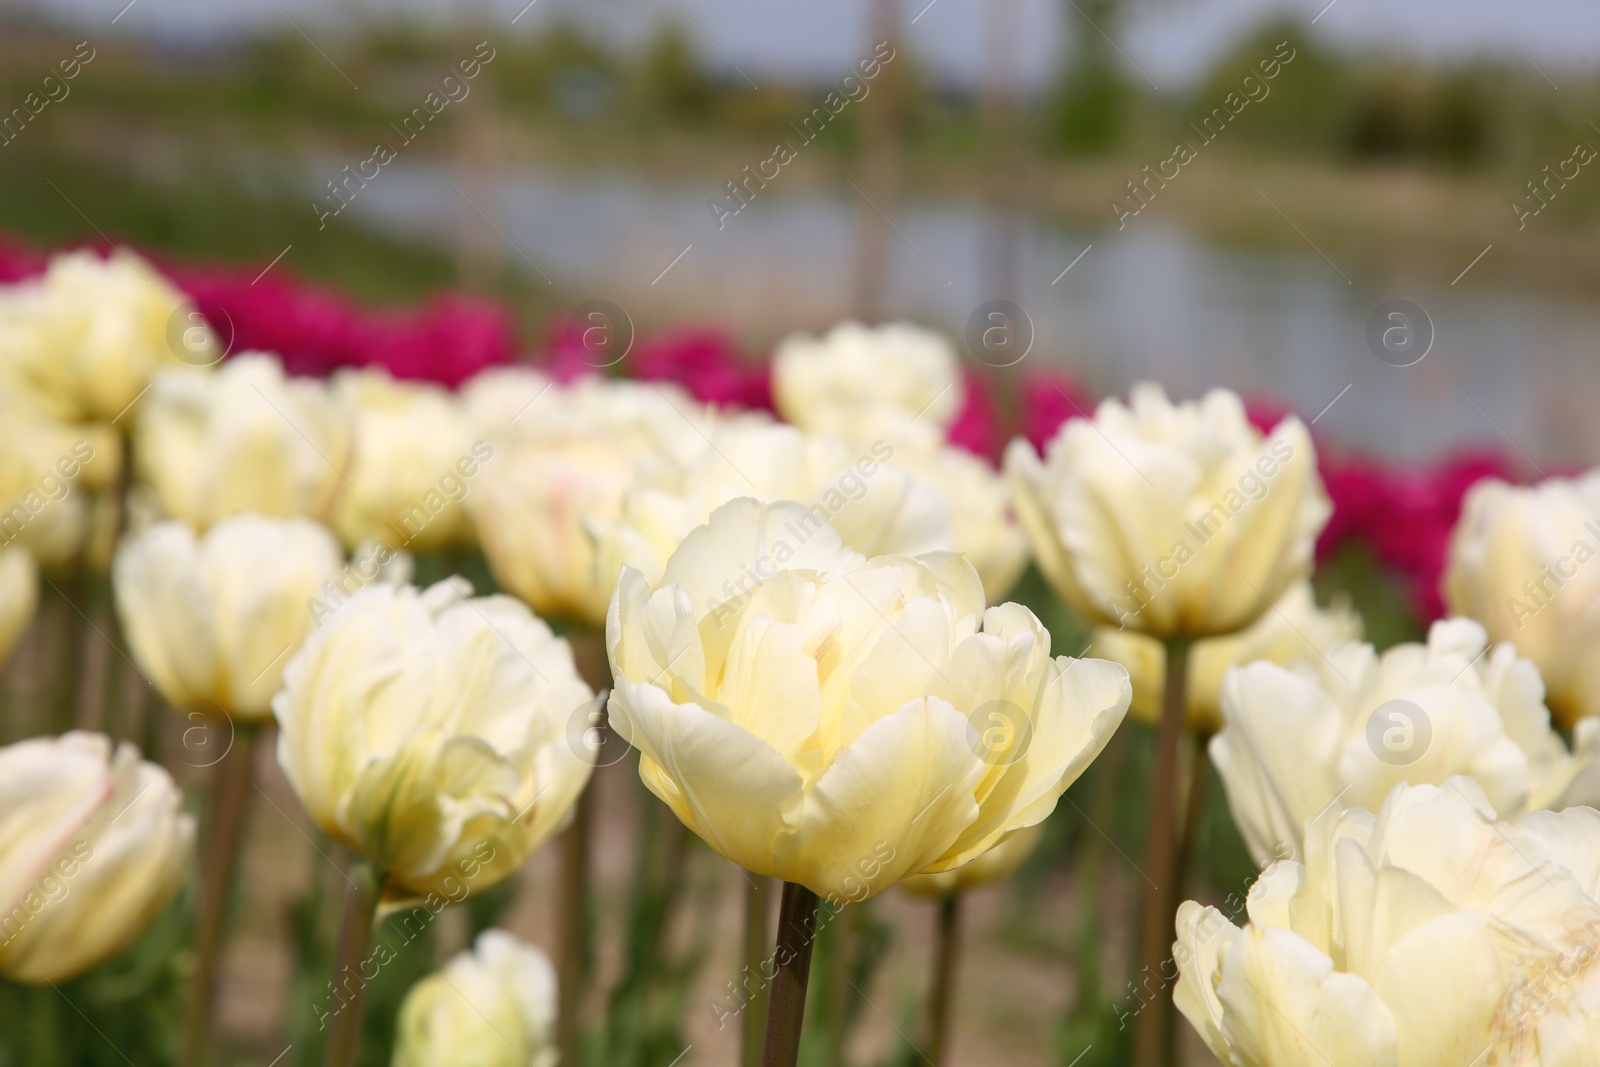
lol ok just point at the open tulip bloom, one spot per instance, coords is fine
(1425, 935)
(1345, 731)
(838, 722)
(438, 737)
(419, 727)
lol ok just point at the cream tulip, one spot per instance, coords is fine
(1427, 935)
(492, 1006)
(883, 501)
(1522, 563)
(838, 722)
(438, 736)
(243, 439)
(1171, 519)
(1295, 631)
(896, 382)
(19, 597)
(878, 506)
(983, 523)
(50, 472)
(83, 339)
(1344, 731)
(93, 845)
(213, 620)
(413, 461)
(566, 458)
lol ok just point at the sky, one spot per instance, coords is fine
(1166, 42)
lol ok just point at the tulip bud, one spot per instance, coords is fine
(92, 848)
(19, 597)
(242, 439)
(839, 722)
(493, 1006)
(440, 737)
(212, 621)
(1171, 519)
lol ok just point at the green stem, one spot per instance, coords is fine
(947, 951)
(797, 922)
(230, 802)
(355, 935)
(757, 901)
(1194, 809)
(1151, 1030)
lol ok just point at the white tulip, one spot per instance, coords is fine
(566, 457)
(1523, 563)
(50, 472)
(83, 338)
(878, 506)
(440, 737)
(245, 438)
(896, 382)
(1344, 731)
(1427, 935)
(839, 722)
(1171, 518)
(212, 621)
(492, 1006)
(413, 461)
(93, 845)
(984, 526)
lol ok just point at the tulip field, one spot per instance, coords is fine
(409, 659)
(612, 715)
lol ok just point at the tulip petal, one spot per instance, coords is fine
(888, 806)
(1079, 705)
(744, 543)
(1285, 1006)
(1442, 983)
(728, 785)
(1204, 937)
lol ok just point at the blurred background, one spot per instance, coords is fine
(1207, 192)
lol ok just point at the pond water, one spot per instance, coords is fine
(1506, 369)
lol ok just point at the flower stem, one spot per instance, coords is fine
(1151, 1031)
(355, 934)
(576, 946)
(797, 921)
(230, 803)
(1194, 808)
(946, 955)
(757, 900)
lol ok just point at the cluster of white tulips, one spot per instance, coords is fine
(805, 638)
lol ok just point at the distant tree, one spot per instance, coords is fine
(1090, 108)
(671, 79)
